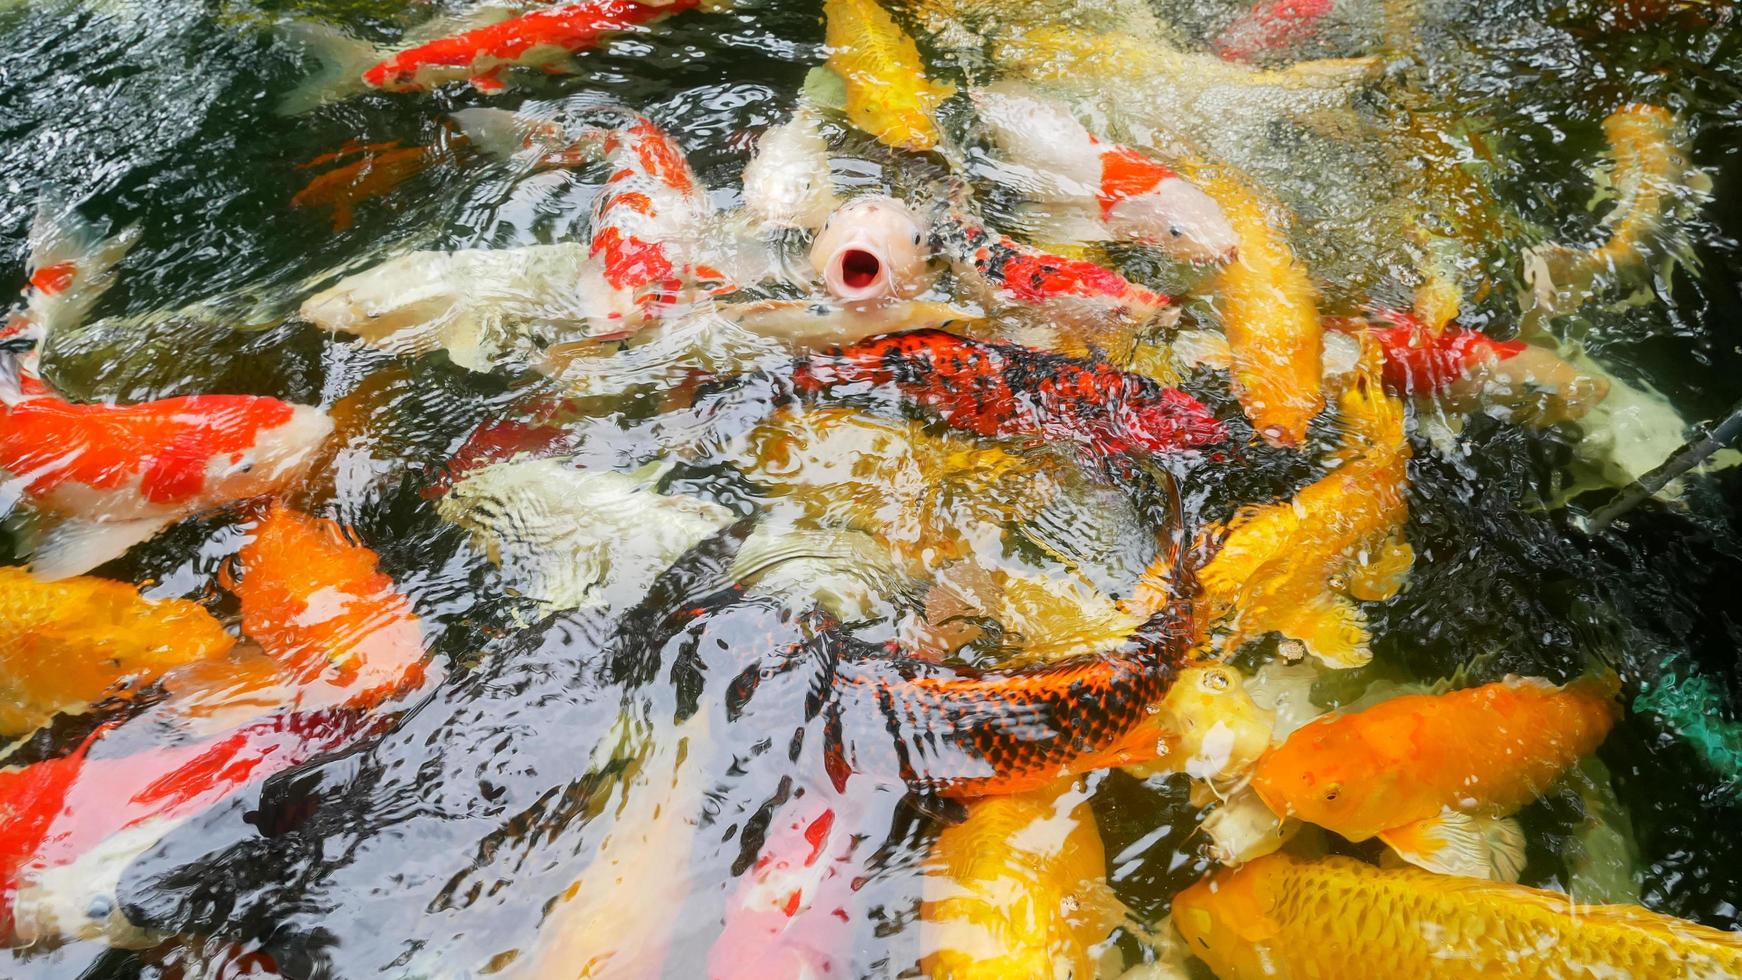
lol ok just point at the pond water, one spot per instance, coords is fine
(557, 638)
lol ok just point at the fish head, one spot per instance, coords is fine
(1222, 732)
(870, 249)
(396, 74)
(1325, 774)
(279, 454)
(1177, 217)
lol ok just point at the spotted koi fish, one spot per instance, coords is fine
(1269, 27)
(645, 225)
(540, 39)
(995, 389)
(106, 477)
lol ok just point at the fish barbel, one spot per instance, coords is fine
(1280, 917)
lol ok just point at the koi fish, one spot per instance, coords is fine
(357, 172)
(1094, 308)
(108, 477)
(870, 249)
(1270, 315)
(959, 732)
(1099, 191)
(1406, 769)
(1293, 567)
(888, 94)
(1256, 921)
(478, 305)
(1468, 369)
(645, 223)
(338, 630)
(789, 183)
(993, 389)
(1653, 180)
(74, 823)
(791, 915)
(69, 644)
(1273, 25)
(1018, 889)
(615, 919)
(543, 38)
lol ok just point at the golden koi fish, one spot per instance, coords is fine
(70, 643)
(1270, 314)
(888, 94)
(1019, 889)
(1294, 567)
(1283, 917)
(1405, 769)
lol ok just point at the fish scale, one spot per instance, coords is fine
(1281, 917)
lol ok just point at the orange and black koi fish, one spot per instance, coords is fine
(995, 389)
(960, 733)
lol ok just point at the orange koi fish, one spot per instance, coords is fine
(69, 644)
(1398, 769)
(369, 171)
(335, 627)
(540, 39)
(888, 94)
(112, 476)
(1280, 916)
(1101, 191)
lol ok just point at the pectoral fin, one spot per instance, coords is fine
(1460, 844)
(76, 546)
(1330, 627)
(1385, 570)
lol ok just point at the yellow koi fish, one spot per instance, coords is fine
(65, 645)
(1295, 567)
(888, 94)
(1019, 889)
(1270, 314)
(1281, 917)
(1652, 178)
(1412, 769)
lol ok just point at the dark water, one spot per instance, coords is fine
(437, 849)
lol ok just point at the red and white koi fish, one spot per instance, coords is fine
(647, 223)
(1270, 26)
(1466, 369)
(1091, 190)
(69, 826)
(792, 916)
(108, 477)
(1095, 309)
(544, 39)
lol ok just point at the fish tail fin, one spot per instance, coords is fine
(341, 61)
(71, 265)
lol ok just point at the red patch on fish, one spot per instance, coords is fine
(1270, 26)
(1126, 173)
(51, 280)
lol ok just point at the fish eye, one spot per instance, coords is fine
(1175, 230)
(1216, 680)
(1332, 792)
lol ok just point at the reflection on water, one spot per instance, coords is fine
(928, 488)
